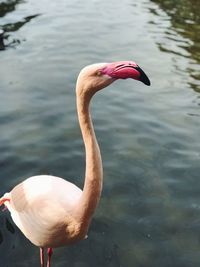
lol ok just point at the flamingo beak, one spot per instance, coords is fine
(125, 70)
(143, 77)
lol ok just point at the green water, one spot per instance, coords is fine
(149, 213)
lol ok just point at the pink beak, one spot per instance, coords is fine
(125, 70)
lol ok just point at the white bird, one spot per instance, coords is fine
(50, 211)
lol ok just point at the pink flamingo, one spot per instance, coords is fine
(50, 211)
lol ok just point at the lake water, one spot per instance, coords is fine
(149, 213)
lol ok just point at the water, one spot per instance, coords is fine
(149, 213)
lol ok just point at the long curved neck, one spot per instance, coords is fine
(93, 169)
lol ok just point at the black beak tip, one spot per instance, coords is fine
(143, 77)
(146, 81)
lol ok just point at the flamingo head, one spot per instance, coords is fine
(125, 70)
(98, 76)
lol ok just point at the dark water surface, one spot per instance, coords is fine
(149, 214)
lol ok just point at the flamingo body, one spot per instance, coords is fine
(50, 211)
(41, 207)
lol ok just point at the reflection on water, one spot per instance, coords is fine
(149, 213)
(183, 33)
(8, 39)
(8, 6)
(12, 27)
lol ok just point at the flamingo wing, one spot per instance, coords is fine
(42, 206)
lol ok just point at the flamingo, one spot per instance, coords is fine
(50, 211)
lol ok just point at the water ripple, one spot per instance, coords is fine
(176, 33)
(149, 136)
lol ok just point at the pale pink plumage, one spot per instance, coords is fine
(40, 205)
(50, 211)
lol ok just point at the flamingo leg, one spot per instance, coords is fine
(42, 257)
(4, 199)
(49, 253)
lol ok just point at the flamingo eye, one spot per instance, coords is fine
(98, 73)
